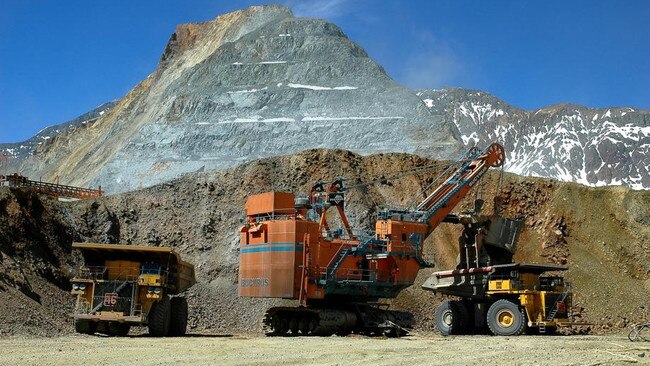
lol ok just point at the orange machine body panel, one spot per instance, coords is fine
(279, 203)
(273, 263)
(271, 258)
(271, 251)
(404, 237)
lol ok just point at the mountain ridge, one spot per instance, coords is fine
(248, 84)
(568, 142)
(260, 82)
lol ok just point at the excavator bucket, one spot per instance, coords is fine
(501, 241)
(504, 233)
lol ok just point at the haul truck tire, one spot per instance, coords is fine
(159, 317)
(452, 317)
(118, 329)
(85, 326)
(178, 324)
(505, 318)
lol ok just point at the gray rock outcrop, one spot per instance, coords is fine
(249, 84)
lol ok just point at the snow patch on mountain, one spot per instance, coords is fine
(565, 142)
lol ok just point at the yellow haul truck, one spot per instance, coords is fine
(120, 286)
(509, 298)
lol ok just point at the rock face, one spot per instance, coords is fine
(35, 263)
(36, 144)
(249, 84)
(571, 143)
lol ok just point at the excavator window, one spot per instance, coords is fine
(416, 240)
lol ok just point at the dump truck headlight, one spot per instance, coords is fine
(157, 290)
(75, 286)
(82, 286)
(150, 290)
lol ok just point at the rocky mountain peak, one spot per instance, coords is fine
(224, 28)
(248, 84)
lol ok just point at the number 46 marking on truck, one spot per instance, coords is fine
(110, 299)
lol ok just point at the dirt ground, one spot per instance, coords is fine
(417, 349)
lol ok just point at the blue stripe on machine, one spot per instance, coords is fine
(265, 247)
(274, 243)
(271, 249)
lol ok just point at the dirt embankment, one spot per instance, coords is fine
(35, 260)
(603, 234)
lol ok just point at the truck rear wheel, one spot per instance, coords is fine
(159, 317)
(452, 317)
(178, 324)
(85, 326)
(505, 318)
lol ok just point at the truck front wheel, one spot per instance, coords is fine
(505, 318)
(159, 317)
(178, 325)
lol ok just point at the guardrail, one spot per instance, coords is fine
(120, 273)
(50, 189)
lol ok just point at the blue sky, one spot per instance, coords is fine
(59, 59)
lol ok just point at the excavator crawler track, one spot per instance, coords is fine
(306, 321)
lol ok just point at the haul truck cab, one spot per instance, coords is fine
(120, 286)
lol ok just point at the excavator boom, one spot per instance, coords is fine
(445, 197)
(420, 222)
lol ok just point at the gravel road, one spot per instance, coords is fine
(424, 349)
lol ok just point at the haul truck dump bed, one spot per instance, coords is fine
(120, 286)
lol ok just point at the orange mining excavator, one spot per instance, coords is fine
(289, 251)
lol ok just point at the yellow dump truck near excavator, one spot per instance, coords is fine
(492, 291)
(120, 286)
